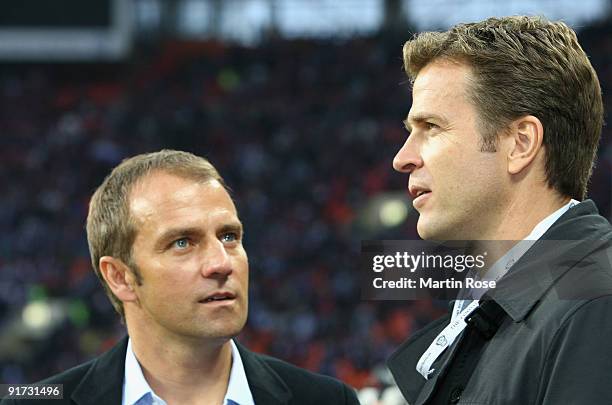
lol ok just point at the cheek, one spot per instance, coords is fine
(165, 278)
(158, 289)
(241, 266)
(439, 153)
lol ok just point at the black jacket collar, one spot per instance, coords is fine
(266, 385)
(103, 382)
(573, 237)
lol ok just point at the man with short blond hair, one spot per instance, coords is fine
(503, 133)
(166, 243)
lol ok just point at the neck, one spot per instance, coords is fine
(182, 370)
(522, 215)
(519, 220)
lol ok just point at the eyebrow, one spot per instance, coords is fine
(232, 227)
(173, 234)
(420, 118)
(176, 233)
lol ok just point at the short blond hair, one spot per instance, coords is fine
(111, 230)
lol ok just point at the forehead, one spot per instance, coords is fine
(165, 197)
(440, 83)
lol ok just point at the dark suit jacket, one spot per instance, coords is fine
(272, 382)
(552, 345)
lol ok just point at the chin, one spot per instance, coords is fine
(219, 335)
(424, 230)
(433, 231)
(229, 329)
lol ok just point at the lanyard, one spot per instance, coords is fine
(444, 339)
(461, 311)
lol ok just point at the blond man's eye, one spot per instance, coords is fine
(229, 237)
(182, 243)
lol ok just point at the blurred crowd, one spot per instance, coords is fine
(304, 132)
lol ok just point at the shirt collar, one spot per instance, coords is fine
(517, 251)
(541, 228)
(238, 388)
(503, 265)
(135, 386)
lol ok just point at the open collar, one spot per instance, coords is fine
(574, 236)
(135, 385)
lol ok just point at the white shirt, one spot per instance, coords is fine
(136, 390)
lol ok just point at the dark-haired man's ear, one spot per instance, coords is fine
(525, 136)
(119, 278)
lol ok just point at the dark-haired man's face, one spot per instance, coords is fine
(457, 188)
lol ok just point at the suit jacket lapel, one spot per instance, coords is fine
(103, 383)
(266, 385)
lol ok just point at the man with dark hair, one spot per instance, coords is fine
(166, 243)
(504, 127)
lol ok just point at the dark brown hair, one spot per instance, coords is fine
(526, 66)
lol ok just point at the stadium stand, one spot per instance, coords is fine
(304, 132)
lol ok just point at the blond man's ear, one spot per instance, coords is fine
(119, 278)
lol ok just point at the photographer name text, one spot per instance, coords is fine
(407, 283)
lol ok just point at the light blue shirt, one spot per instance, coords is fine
(136, 390)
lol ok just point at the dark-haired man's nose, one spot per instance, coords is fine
(408, 157)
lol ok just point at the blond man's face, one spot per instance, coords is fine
(189, 252)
